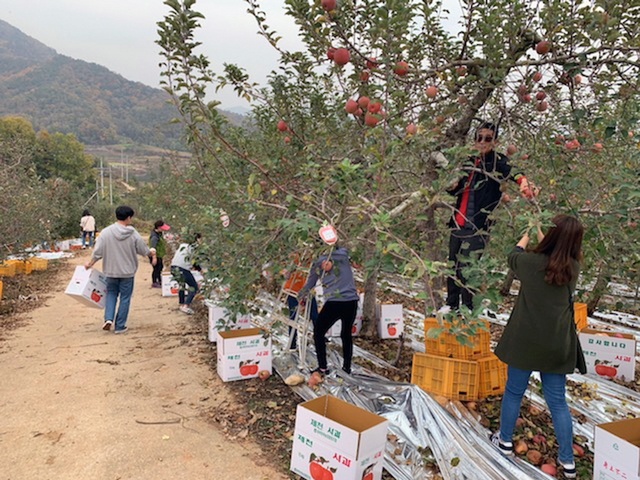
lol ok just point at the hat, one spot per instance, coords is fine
(161, 225)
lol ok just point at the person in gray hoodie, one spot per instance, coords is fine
(118, 246)
(341, 303)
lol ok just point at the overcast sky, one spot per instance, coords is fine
(120, 34)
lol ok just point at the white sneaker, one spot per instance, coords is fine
(186, 309)
(569, 470)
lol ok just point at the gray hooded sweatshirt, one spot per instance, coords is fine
(337, 283)
(118, 247)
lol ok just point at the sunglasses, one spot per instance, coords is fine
(486, 138)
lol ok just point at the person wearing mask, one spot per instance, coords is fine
(181, 266)
(341, 303)
(541, 334)
(478, 193)
(88, 228)
(118, 247)
(157, 241)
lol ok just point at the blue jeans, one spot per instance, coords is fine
(87, 238)
(122, 287)
(187, 283)
(553, 387)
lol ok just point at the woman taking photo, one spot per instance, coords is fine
(541, 335)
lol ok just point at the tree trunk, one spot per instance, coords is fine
(508, 281)
(370, 290)
(599, 289)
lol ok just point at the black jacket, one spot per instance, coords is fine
(486, 186)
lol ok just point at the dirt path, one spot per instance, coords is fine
(80, 403)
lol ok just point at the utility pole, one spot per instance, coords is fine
(127, 169)
(110, 188)
(102, 177)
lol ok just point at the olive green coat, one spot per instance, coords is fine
(540, 335)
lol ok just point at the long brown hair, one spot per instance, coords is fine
(562, 244)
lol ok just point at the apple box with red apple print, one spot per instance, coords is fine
(170, 286)
(243, 353)
(220, 320)
(390, 320)
(336, 440)
(88, 286)
(609, 354)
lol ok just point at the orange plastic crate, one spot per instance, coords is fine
(492, 374)
(449, 377)
(39, 263)
(7, 269)
(1, 285)
(22, 266)
(580, 315)
(446, 344)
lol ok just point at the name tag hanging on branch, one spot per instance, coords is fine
(328, 234)
(224, 218)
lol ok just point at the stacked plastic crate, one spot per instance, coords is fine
(456, 371)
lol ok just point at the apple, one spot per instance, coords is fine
(440, 119)
(549, 469)
(461, 71)
(363, 102)
(539, 439)
(364, 76)
(552, 197)
(541, 95)
(264, 374)
(326, 265)
(578, 451)
(505, 198)
(511, 149)
(536, 77)
(330, 53)
(543, 47)
(328, 5)
(371, 120)
(314, 379)
(282, 126)
(520, 447)
(534, 456)
(341, 56)
(401, 68)
(519, 422)
(596, 148)
(351, 106)
(371, 63)
(431, 91)
(411, 129)
(526, 98)
(522, 89)
(358, 112)
(572, 145)
(287, 139)
(524, 156)
(577, 79)
(619, 335)
(374, 107)
(542, 106)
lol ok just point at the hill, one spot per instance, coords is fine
(61, 94)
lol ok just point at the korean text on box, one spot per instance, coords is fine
(609, 354)
(243, 353)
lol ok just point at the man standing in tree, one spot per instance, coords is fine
(478, 194)
(118, 246)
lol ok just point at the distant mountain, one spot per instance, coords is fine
(61, 94)
(240, 110)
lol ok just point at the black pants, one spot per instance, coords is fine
(331, 312)
(462, 245)
(156, 275)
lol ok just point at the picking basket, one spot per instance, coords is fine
(449, 377)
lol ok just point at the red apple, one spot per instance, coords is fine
(264, 374)
(358, 112)
(522, 89)
(440, 119)
(431, 91)
(326, 265)
(364, 76)
(543, 47)
(411, 129)
(282, 126)
(572, 145)
(542, 106)
(541, 95)
(552, 197)
(520, 447)
(461, 71)
(374, 107)
(341, 56)
(511, 149)
(539, 439)
(596, 148)
(328, 5)
(519, 422)
(401, 69)
(330, 53)
(524, 156)
(534, 456)
(371, 63)
(287, 139)
(536, 77)
(363, 102)
(526, 98)
(549, 469)
(371, 120)
(578, 451)
(351, 106)
(577, 79)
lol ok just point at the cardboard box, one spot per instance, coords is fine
(617, 451)
(88, 286)
(219, 320)
(170, 287)
(357, 323)
(334, 435)
(243, 353)
(390, 320)
(609, 354)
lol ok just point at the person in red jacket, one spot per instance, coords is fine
(478, 194)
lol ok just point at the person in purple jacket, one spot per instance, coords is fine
(341, 303)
